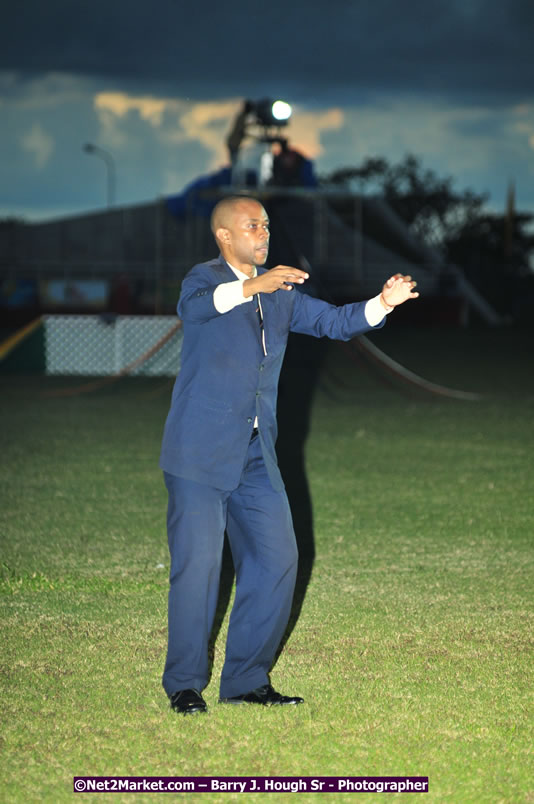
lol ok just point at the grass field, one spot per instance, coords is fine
(413, 648)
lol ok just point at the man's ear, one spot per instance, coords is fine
(223, 235)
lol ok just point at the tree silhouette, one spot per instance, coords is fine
(496, 251)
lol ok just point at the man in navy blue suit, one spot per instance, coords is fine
(218, 454)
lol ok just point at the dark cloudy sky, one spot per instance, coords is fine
(157, 84)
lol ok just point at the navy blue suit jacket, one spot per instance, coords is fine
(226, 380)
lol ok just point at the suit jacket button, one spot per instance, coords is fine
(249, 420)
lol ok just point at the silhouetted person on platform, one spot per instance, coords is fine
(291, 168)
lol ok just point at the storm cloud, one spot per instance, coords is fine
(158, 85)
(211, 49)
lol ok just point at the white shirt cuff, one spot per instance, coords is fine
(374, 311)
(228, 295)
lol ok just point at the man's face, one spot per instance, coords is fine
(247, 238)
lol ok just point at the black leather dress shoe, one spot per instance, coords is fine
(263, 695)
(187, 702)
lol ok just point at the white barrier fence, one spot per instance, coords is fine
(97, 346)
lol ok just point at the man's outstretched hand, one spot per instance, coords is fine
(397, 290)
(283, 277)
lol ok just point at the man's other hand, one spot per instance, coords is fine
(397, 290)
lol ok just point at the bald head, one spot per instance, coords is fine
(224, 212)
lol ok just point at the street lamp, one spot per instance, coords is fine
(89, 148)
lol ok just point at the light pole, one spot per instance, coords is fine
(89, 148)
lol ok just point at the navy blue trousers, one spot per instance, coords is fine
(260, 531)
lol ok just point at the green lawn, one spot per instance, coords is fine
(413, 648)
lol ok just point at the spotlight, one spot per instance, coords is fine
(271, 113)
(281, 110)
